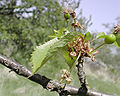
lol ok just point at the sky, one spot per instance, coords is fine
(102, 12)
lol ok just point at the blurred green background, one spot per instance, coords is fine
(24, 24)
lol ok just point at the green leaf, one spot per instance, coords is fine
(44, 52)
(117, 42)
(100, 35)
(59, 33)
(40, 55)
(81, 34)
(87, 36)
(69, 60)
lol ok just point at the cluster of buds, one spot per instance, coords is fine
(76, 24)
(65, 77)
(78, 45)
(71, 12)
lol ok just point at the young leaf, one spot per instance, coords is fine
(40, 54)
(100, 35)
(87, 36)
(44, 52)
(58, 33)
(117, 42)
(81, 34)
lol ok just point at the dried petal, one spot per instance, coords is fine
(117, 29)
(64, 71)
(73, 54)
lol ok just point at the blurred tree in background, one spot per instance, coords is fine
(27, 23)
(23, 25)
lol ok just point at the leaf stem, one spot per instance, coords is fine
(97, 47)
(68, 25)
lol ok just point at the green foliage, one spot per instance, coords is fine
(44, 52)
(28, 24)
(70, 61)
(100, 35)
(82, 34)
(87, 36)
(58, 33)
(117, 42)
(20, 34)
(41, 55)
(23, 31)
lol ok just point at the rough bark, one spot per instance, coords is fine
(45, 82)
(81, 75)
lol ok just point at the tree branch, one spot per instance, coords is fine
(44, 81)
(81, 74)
